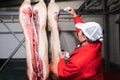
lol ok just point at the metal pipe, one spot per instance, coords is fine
(111, 2)
(83, 5)
(118, 22)
(115, 8)
(11, 32)
(8, 13)
(20, 32)
(12, 54)
(106, 38)
(119, 33)
(93, 3)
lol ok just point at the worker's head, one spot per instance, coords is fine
(91, 30)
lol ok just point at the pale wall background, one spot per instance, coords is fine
(67, 36)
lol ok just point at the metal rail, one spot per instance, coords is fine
(11, 32)
(12, 54)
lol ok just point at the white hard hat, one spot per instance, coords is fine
(92, 30)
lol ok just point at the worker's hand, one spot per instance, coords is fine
(62, 55)
(71, 11)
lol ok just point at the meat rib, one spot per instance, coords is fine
(40, 12)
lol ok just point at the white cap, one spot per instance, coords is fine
(92, 30)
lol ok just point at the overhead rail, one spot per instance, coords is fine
(93, 3)
(90, 7)
(85, 8)
(16, 3)
(115, 7)
(111, 2)
(89, 3)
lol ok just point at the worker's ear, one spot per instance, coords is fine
(85, 38)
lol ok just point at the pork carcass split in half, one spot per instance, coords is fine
(35, 39)
(53, 15)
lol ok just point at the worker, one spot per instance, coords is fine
(85, 62)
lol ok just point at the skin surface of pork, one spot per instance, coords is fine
(53, 14)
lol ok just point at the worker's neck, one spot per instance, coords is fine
(84, 43)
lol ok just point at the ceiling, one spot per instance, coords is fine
(14, 3)
(88, 6)
(106, 7)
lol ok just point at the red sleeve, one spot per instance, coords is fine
(77, 19)
(69, 69)
(61, 64)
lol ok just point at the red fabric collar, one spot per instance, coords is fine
(88, 47)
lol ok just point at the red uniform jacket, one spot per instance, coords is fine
(85, 63)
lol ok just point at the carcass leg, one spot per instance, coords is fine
(53, 12)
